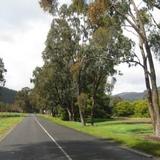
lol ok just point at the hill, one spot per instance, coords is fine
(131, 95)
(7, 95)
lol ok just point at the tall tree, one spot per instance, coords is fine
(23, 100)
(83, 54)
(137, 17)
(2, 71)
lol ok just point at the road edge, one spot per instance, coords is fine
(9, 131)
(138, 152)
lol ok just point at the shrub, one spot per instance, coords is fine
(62, 113)
(124, 109)
(141, 108)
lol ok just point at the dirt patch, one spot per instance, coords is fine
(153, 138)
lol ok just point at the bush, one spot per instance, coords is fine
(141, 108)
(123, 109)
(62, 113)
(101, 113)
(103, 108)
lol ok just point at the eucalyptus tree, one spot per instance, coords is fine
(102, 61)
(104, 47)
(40, 96)
(23, 100)
(58, 56)
(137, 16)
(86, 51)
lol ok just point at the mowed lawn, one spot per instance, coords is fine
(9, 120)
(128, 132)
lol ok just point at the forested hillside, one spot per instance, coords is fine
(7, 95)
(133, 95)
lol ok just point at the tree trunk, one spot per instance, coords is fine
(69, 114)
(155, 95)
(154, 91)
(82, 117)
(149, 99)
(147, 82)
(72, 111)
(92, 110)
(79, 89)
(52, 112)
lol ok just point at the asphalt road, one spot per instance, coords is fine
(38, 139)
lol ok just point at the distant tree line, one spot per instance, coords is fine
(124, 108)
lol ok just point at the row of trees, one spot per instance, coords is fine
(106, 107)
(86, 41)
(79, 59)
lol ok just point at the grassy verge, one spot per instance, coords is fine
(128, 132)
(8, 120)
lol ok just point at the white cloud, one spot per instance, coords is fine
(22, 35)
(23, 54)
(23, 30)
(132, 79)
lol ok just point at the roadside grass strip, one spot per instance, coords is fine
(8, 121)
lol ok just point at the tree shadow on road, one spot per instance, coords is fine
(77, 150)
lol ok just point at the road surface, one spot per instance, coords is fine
(38, 139)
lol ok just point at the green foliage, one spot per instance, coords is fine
(82, 100)
(5, 107)
(145, 17)
(141, 108)
(154, 40)
(23, 100)
(101, 37)
(103, 108)
(83, 46)
(79, 5)
(62, 113)
(48, 5)
(123, 109)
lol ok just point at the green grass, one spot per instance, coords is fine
(128, 132)
(9, 120)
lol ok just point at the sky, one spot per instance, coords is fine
(23, 30)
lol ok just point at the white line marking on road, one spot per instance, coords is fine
(64, 152)
(137, 152)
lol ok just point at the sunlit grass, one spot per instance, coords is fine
(130, 132)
